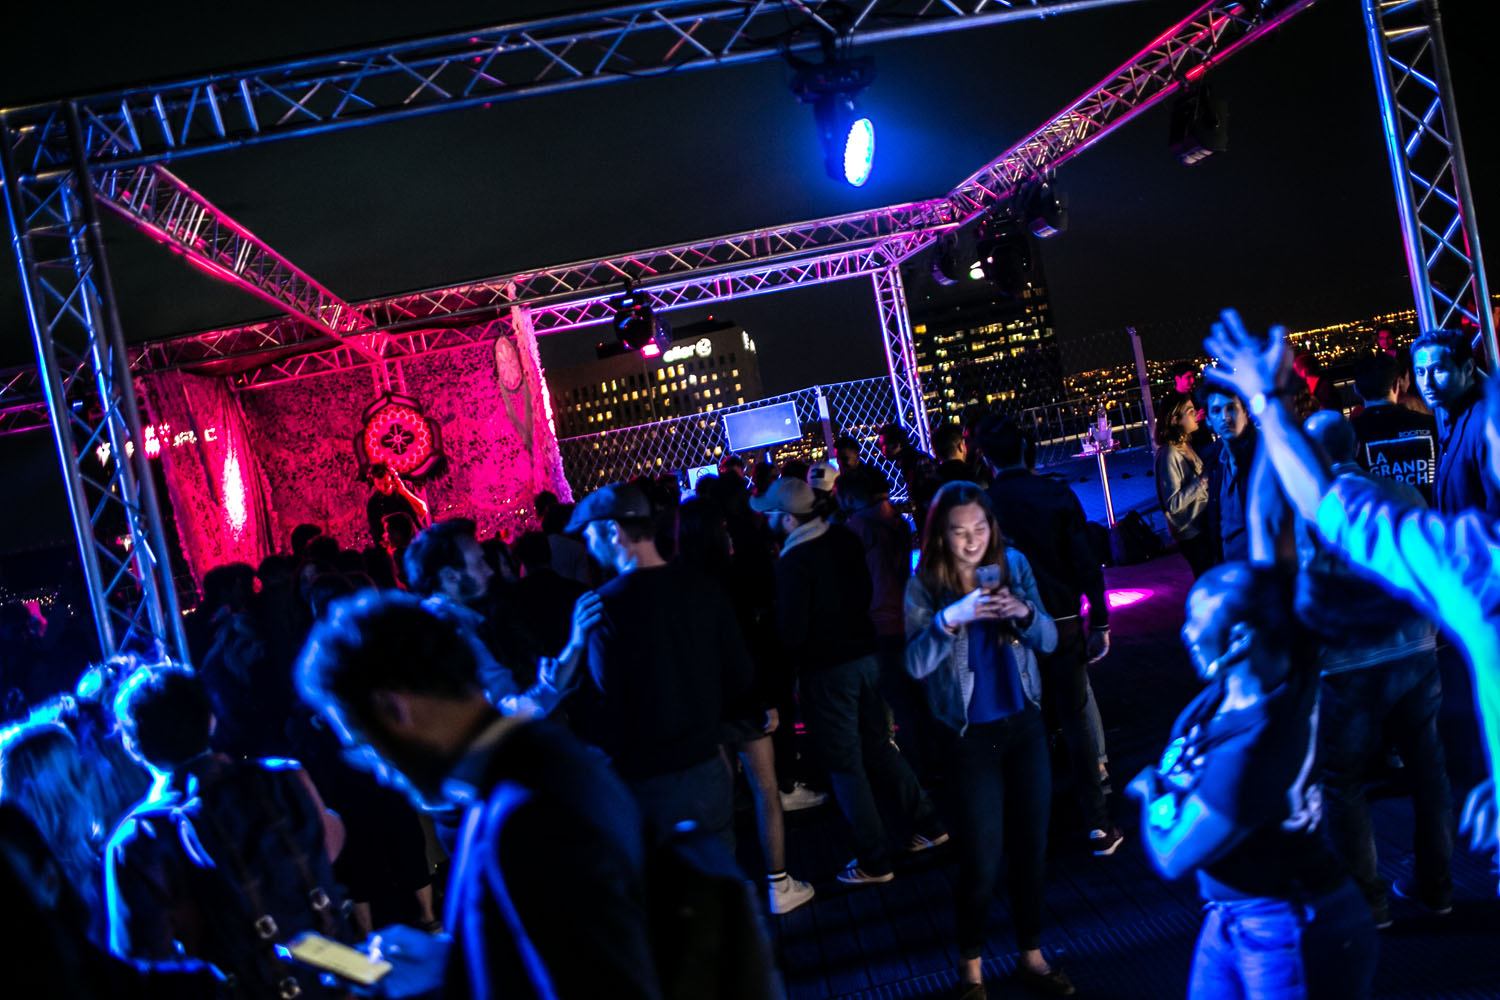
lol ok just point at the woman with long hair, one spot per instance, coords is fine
(1182, 485)
(43, 774)
(974, 624)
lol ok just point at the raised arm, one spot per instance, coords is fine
(1260, 369)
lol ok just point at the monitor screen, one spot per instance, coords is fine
(762, 426)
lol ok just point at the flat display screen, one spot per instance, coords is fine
(749, 430)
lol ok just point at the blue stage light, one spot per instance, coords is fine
(859, 151)
(847, 137)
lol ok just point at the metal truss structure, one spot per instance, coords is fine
(901, 355)
(161, 205)
(707, 271)
(76, 331)
(465, 69)
(1427, 165)
(119, 140)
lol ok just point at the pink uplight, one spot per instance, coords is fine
(650, 351)
(234, 494)
(1122, 598)
(1125, 598)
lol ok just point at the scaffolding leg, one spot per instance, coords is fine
(91, 404)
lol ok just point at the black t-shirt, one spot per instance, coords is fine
(666, 666)
(1254, 766)
(1397, 443)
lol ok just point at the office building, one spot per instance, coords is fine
(709, 366)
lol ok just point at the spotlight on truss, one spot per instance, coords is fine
(1200, 126)
(636, 325)
(1044, 206)
(847, 136)
(945, 268)
(1002, 245)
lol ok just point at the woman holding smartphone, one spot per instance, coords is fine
(974, 624)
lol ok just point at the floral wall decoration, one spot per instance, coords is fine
(491, 425)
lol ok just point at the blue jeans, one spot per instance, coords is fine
(848, 729)
(1278, 949)
(1359, 711)
(1002, 781)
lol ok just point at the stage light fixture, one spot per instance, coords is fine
(945, 268)
(636, 324)
(1200, 126)
(1044, 206)
(847, 136)
(1003, 247)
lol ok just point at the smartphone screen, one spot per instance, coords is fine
(347, 963)
(988, 577)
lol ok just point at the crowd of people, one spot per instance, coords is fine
(511, 768)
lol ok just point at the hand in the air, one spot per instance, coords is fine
(1248, 363)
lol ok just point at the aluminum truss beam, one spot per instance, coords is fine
(469, 68)
(162, 206)
(1180, 55)
(572, 315)
(76, 331)
(1431, 176)
(1183, 51)
(755, 249)
(901, 355)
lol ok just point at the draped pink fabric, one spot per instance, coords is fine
(219, 495)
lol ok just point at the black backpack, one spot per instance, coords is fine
(1131, 540)
(259, 875)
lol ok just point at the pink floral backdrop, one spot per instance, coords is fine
(488, 399)
(214, 479)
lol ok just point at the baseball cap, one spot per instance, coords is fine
(791, 496)
(615, 502)
(820, 476)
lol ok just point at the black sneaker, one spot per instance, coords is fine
(1054, 983)
(1408, 888)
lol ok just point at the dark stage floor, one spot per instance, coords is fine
(1118, 929)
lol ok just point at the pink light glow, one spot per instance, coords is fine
(1125, 598)
(1122, 598)
(233, 485)
(650, 351)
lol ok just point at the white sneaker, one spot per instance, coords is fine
(787, 894)
(801, 797)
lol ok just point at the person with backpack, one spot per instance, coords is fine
(556, 890)
(224, 859)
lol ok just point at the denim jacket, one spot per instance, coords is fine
(941, 660)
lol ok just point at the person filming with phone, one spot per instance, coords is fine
(974, 625)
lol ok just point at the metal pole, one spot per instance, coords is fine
(1109, 503)
(824, 419)
(1148, 406)
(58, 411)
(112, 372)
(1483, 312)
(1411, 235)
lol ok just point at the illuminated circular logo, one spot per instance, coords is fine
(705, 347)
(397, 433)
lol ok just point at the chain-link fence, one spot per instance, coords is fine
(1085, 382)
(682, 444)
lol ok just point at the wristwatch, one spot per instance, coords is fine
(1261, 400)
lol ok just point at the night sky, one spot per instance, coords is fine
(1296, 222)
